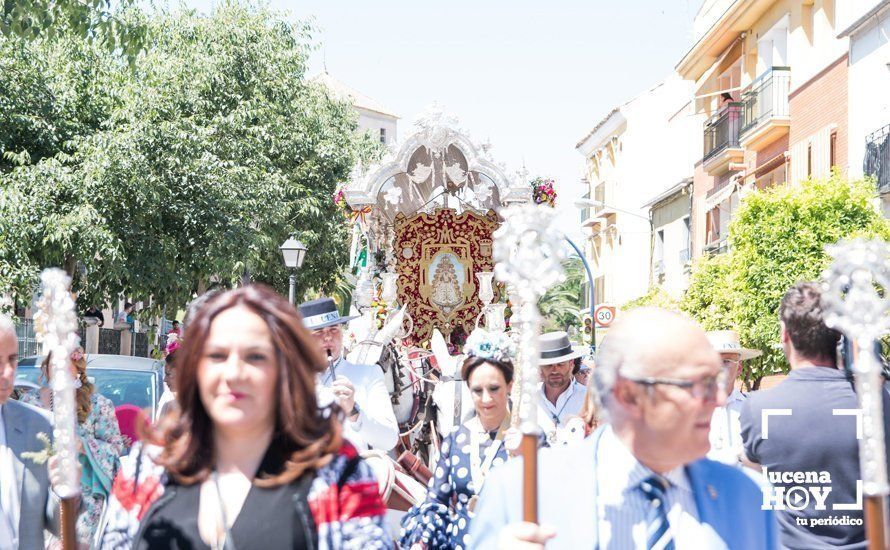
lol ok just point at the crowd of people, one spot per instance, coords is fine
(265, 423)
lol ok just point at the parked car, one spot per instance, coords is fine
(123, 379)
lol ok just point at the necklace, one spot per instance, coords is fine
(555, 417)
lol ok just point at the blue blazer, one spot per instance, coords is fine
(727, 500)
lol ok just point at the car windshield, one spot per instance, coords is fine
(122, 387)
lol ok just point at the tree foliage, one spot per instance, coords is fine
(191, 167)
(777, 238)
(560, 306)
(100, 22)
(655, 297)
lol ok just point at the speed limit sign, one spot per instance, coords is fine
(604, 316)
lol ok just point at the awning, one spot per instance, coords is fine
(723, 194)
(707, 85)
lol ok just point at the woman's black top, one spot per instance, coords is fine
(270, 518)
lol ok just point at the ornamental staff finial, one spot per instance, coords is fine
(856, 301)
(56, 328)
(528, 253)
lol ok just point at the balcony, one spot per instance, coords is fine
(877, 158)
(722, 140)
(765, 113)
(717, 247)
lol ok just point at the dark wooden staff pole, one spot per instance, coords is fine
(68, 521)
(874, 506)
(529, 449)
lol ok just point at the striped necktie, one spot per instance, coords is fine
(658, 534)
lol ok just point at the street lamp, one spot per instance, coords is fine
(294, 252)
(583, 203)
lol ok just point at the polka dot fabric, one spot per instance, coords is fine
(442, 521)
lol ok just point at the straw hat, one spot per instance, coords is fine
(556, 348)
(727, 341)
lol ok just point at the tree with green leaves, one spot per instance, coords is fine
(777, 238)
(214, 150)
(655, 297)
(115, 28)
(561, 305)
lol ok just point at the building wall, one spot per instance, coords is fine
(373, 122)
(702, 184)
(818, 110)
(672, 218)
(792, 33)
(869, 84)
(650, 153)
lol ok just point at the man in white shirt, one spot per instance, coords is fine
(359, 389)
(560, 397)
(726, 431)
(27, 504)
(639, 481)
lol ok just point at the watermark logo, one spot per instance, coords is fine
(796, 491)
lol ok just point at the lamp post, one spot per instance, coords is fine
(583, 203)
(294, 252)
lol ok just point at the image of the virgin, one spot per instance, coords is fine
(446, 278)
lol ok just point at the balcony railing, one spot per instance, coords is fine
(766, 98)
(722, 130)
(877, 158)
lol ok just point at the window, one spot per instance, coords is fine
(659, 246)
(809, 160)
(383, 135)
(832, 150)
(713, 225)
(686, 237)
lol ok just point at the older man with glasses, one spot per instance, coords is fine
(641, 480)
(726, 430)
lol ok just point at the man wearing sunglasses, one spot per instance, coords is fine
(640, 480)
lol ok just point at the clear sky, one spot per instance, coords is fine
(533, 77)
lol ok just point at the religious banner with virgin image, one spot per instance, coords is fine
(437, 257)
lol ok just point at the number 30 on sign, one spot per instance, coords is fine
(604, 316)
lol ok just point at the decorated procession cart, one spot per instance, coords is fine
(423, 223)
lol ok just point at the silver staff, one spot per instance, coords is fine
(528, 251)
(56, 327)
(856, 301)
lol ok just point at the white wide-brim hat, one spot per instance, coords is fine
(727, 341)
(556, 348)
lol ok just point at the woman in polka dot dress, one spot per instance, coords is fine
(442, 520)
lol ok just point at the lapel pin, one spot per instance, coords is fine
(712, 491)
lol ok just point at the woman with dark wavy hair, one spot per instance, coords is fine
(249, 460)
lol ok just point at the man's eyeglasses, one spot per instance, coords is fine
(703, 388)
